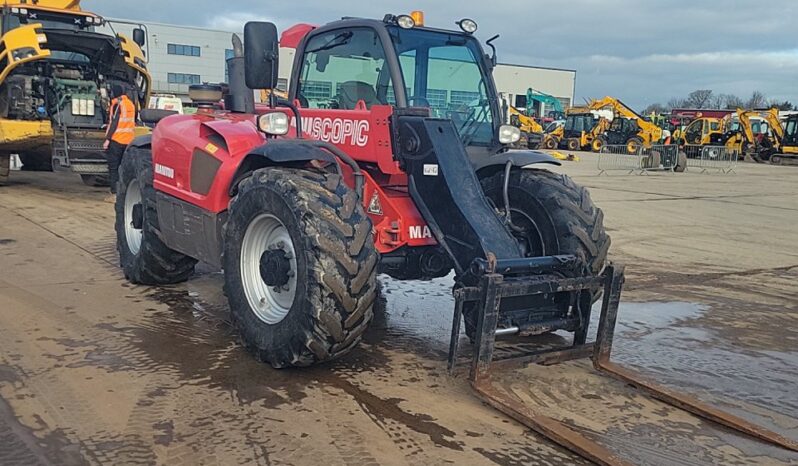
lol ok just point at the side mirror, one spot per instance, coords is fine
(139, 37)
(261, 54)
(520, 101)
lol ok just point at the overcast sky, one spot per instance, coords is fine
(639, 51)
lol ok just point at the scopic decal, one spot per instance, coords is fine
(336, 130)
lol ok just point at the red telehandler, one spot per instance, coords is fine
(381, 159)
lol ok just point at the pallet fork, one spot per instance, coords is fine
(488, 295)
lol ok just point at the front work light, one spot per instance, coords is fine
(509, 134)
(274, 123)
(469, 26)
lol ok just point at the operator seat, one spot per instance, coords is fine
(353, 91)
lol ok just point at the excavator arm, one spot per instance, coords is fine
(772, 117)
(744, 116)
(527, 124)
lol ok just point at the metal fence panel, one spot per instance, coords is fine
(617, 157)
(643, 160)
(706, 158)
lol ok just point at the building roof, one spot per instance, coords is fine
(537, 67)
(181, 26)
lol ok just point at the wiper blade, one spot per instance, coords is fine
(341, 39)
(470, 126)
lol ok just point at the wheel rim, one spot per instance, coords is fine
(631, 147)
(132, 234)
(266, 234)
(530, 237)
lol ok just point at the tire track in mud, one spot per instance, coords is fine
(81, 422)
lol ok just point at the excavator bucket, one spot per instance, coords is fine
(487, 296)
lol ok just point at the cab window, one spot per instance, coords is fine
(342, 68)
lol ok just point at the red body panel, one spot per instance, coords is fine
(362, 133)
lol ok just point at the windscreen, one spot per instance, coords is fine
(442, 72)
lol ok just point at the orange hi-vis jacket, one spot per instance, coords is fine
(123, 112)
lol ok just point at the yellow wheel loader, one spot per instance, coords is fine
(56, 69)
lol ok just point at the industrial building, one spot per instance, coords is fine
(183, 55)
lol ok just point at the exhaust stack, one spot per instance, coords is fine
(240, 98)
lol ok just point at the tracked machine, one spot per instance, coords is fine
(364, 169)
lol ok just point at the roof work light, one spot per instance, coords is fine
(469, 26)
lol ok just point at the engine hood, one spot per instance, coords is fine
(102, 50)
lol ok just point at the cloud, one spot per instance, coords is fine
(641, 52)
(234, 22)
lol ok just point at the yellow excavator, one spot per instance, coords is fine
(56, 70)
(788, 154)
(762, 144)
(531, 130)
(627, 127)
(755, 134)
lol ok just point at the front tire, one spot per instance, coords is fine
(300, 266)
(633, 145)
(573, 144)
(558, 217)
(550, 143)
(597, 144)
(145, 259)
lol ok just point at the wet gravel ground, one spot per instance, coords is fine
(96, 371)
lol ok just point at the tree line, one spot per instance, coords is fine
(706, 98)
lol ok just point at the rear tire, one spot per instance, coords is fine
(95, 181)
(562, 219)
(36, 161)
(145, 259)
(652, 161)
(5, 168)
(573, 144)
(327, 287)
(681, 162)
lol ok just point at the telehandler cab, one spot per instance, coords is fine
(366, 168)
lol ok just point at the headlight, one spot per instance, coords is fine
(509, 134)
(405, 22)
(469, 26)
(275, 123)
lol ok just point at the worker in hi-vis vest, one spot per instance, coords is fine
(120, 131)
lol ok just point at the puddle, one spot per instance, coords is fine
(665, 339)
(414, 315)
(662, 339)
